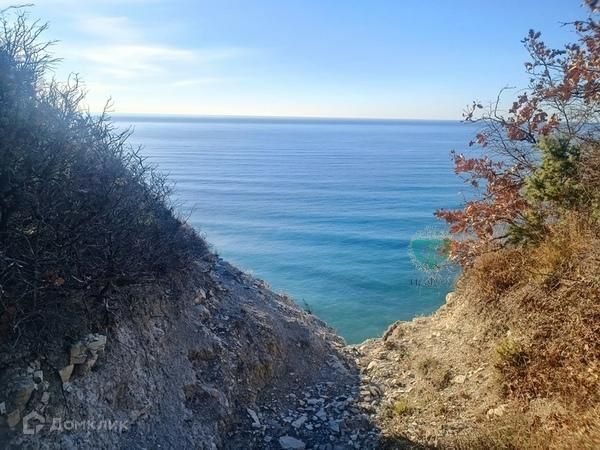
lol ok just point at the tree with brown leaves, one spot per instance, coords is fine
(551, 126)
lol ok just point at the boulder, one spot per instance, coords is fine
(66, 372)
(334, 426)
(78, 353)
(84, 353)
(291, 443)
(299, 421)
(96, 342)
(254, 417)
(13, 418)
(200, 296)
(16, 387)
(459, 379)
(496, 412)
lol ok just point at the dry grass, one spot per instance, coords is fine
(510, 356)
(548, 298)
(495, 273)
(519, 431)
(435, 372)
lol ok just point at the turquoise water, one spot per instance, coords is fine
(323, 210)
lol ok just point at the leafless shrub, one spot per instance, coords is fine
(81, 211)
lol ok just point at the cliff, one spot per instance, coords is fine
(214, 360)
(118, 326)
(217, 360)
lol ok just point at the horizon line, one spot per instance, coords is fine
(282, 117)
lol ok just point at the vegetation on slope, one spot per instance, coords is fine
(81, 212)
(530, 244)
(541, 157)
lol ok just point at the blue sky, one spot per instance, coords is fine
(327, 58)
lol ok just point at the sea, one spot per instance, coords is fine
(324, 210)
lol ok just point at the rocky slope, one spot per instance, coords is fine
(216, 360)
(441, 385)
(436, 377)
(226, 364)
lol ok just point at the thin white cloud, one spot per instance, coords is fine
(115, 46)
(196, 81)
(114, 28)
(127, 61)
(136, 57)
(130, 60)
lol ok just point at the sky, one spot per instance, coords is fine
(407, 59)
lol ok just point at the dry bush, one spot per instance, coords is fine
(81, 212)
(548, 428)
(562, 251)
(541, 305)
(495, 273)
(590, 175)
(549, 296)
(510, 354)
(563, 318)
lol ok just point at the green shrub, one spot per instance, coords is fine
(402, 407)
(556, 178)
(510, 352)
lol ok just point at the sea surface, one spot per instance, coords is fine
(323, 210)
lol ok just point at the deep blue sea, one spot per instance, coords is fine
(323, 210)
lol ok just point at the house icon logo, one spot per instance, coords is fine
(33, 423)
